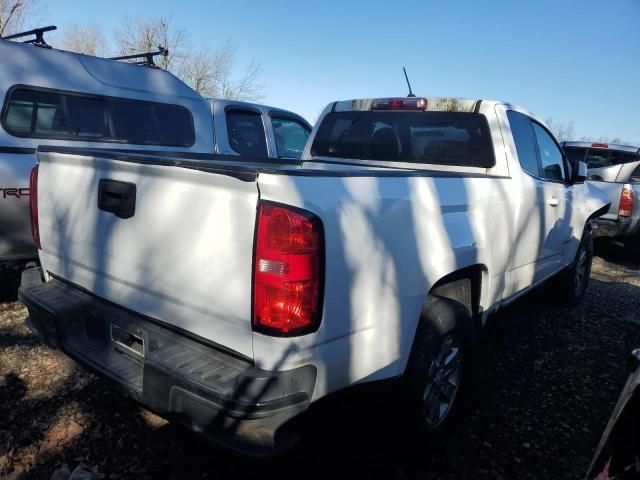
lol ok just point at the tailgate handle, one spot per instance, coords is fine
(117, 197)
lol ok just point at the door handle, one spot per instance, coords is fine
(554, 201)
(117, 197)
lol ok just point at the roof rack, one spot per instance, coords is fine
(38, 33)
(145, 58)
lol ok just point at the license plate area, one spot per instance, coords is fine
(129, 341)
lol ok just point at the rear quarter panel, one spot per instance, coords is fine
(387, 240)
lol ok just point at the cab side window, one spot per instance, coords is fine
(291, 136)
(525, 142)
(551, 159)
(246, 133)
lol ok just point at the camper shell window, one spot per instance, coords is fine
(42, 113)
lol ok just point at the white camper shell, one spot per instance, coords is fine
(56, 98)
(60, 98)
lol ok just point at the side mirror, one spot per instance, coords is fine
(579, 172)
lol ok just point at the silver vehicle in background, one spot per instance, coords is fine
(64, 99)
(254, 130)
(616, 170)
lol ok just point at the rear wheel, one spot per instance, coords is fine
(438, 365)
(442, 382)
(633, 246)
(572, 284)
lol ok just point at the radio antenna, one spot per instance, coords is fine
(408, 84)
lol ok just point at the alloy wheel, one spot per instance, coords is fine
(443, 382)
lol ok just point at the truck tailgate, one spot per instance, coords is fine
(182, 257)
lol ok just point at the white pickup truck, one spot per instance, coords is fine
(229, 295)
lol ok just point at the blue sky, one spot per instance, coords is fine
(571, 60)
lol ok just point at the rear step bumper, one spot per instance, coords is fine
(215, 393)
(613, 228)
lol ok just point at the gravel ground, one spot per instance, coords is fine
(546, 382)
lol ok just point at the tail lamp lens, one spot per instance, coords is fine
(287, 271)
(626, 202)
(33, 206)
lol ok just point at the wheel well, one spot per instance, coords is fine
(465, 287)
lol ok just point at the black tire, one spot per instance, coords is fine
(633, 246)
(571, 285)
(438, 366)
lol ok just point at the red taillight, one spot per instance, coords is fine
(287, 278)
(33, 206)
(600, 145)
(409, 103)
(626, 202)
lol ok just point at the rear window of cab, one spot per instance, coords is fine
(438, 138)
(600, 157)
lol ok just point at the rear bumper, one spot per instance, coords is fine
(209, 390)
(621, 227)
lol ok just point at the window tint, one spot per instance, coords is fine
(291, 137)
(440, 138)
(246, 133)
(87, 117)
(618, 158)
(551, 159)
(597, 158)
(43, 114)
(175, 123)
(575, 154)
(525, 143)
(135, 123)
(34, 112)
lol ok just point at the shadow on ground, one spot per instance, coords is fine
(617, 254)
(546, 379)
(9, 289)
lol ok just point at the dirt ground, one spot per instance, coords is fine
(546, 380)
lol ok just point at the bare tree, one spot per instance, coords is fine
(208, 72)
(200, 71)
(14, 14)
(562, 132)
(87, 39)
(146, 35)
(246, 86)
(211, 73)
